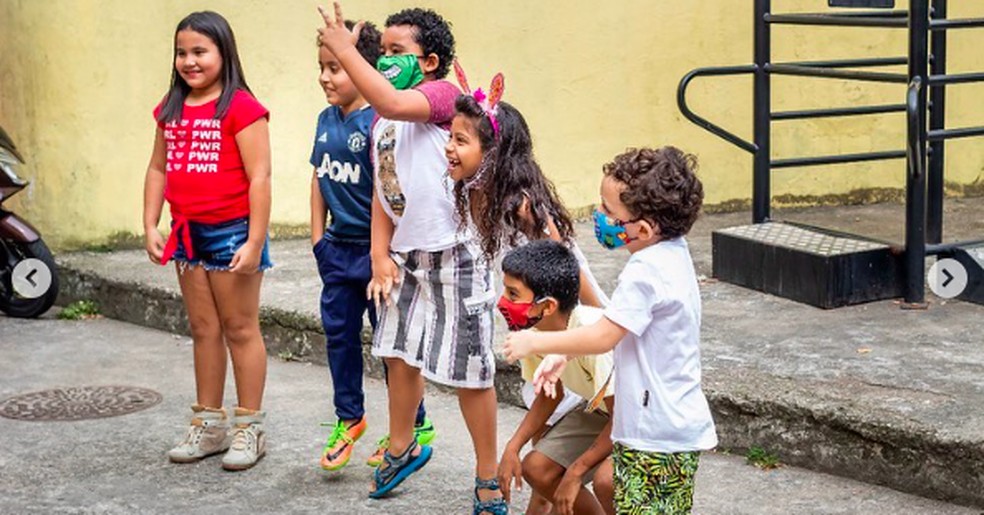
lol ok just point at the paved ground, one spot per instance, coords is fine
(871, 392)
(117, 465)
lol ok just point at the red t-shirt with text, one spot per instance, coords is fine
(206, 180)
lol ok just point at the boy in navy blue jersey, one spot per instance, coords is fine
(342, 187)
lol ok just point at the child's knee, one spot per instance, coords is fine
(541, 472)
(205, 328)
(240, 330)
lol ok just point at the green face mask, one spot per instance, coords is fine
(403, 71)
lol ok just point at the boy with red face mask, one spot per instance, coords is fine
(541, 282)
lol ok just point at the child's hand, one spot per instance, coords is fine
(518, 345)
(510, 472)
(154, 244)
(566, 492)
(548, 374)
(246, 260)
(334, 34)
(385, 274)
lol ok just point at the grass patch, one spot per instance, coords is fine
(761, 458)
(80, 310)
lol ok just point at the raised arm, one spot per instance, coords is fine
(390, 103)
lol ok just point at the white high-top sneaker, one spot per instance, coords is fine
(207, 435)
(248, 440)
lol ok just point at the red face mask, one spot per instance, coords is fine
(517, 314)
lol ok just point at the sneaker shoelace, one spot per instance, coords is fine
(340, 432)
(194, 435)
(243, 438)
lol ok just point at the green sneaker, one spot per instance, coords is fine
(424, 433)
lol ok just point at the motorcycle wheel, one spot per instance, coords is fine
(10, 302)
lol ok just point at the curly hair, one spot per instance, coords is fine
(661, 186)
(512, 179)
(368, 43)
(548, 269)
(432, 32)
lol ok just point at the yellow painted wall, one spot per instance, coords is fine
(78, 79)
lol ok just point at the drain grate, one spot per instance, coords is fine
(79, 403)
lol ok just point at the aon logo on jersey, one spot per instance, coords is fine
(339, 171)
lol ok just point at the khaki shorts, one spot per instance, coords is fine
(571, 436)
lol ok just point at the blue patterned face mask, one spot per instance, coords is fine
(610, 231)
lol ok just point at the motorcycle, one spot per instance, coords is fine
(28, 276)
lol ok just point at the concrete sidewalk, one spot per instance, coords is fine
(870, 392)
(117, 465)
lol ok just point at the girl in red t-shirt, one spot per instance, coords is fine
(211, 162)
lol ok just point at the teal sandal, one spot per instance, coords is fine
(398, 468)
(492, 506)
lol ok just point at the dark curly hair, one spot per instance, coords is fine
(432, 32)
(661, 186)
(368, 44)
(512, 178)
(549, 269)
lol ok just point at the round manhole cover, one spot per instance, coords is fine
(79, 403)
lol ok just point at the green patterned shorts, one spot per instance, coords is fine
(649, 483)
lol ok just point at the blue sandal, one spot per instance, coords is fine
(492, 506)
(398, 469)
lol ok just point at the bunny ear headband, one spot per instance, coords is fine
(490, 103)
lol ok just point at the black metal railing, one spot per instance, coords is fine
(926, 80)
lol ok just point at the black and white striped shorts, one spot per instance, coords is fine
(441, 317)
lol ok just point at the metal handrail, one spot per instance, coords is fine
(962, 132)
(836, 159)
(717, 130)
(851, 63)
(838, 111)
(915, 227)
(836, 19)
(960, 23)
(956, 78)
(816, 71)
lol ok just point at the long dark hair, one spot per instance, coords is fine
(213, 26)
(511, 178)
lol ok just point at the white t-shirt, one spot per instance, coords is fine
(659, 405)
(411, 176)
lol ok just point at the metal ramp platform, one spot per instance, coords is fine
(815, 265)
(823, 269)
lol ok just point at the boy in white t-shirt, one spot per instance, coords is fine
(649, 201)
(541, 280)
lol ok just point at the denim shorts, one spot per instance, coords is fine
(213, 245)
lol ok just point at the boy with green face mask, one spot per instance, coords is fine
(436, 291)
(403, 71)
